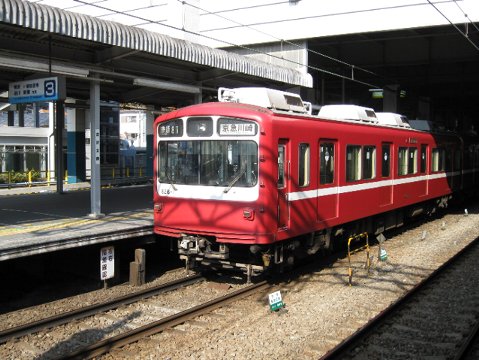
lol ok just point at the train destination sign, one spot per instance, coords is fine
(237, 129)
(45, 89)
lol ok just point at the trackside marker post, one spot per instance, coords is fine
(275, 301)
(107, 264)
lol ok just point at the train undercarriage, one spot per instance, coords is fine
(200, 252)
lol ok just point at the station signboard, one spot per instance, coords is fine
(44, 89)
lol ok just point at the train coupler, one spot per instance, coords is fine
(201, 247)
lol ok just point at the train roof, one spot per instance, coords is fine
(392, 119)
(286, 102)
(266, 98)
(349, 112)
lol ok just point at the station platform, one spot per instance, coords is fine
(37, 220)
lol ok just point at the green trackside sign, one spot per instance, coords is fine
(275, 301)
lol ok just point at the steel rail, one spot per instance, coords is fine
(468, 343)
(347, 344)
(86, 311)
(105, 346)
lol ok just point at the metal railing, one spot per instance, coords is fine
(110, 175)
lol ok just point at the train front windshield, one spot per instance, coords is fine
(225, 163)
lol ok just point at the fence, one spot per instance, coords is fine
(109, 176)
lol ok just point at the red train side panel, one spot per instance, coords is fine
(242, 185)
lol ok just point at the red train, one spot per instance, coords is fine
(258, 186)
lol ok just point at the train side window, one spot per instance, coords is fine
(386, 161)
(326, 163)
(449, 157)
(402, 161)
(457, 160)
(353, 162)
(468, 158)
(412, 161)
(438, 162)
(304, 165)
(423, 158)
(281, 164)
(369, 162)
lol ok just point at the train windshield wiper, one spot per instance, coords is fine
(235, 180)
(170, 180)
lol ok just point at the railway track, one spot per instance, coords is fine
(438, 318)
(63, 318)
(105, 346)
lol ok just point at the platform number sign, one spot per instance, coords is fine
(36, 90)
(107, 262)
(275, 301)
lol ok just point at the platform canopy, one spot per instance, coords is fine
(132, 64)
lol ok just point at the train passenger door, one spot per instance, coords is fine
(328, 181)
(423, 183)
(386, 190)
(283, 184)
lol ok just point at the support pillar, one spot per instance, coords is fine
(76, 145)
(21, 115)
(59, 126)
(95, 190)
(3, 157)
(11, 118)
(199, 97)
(24, 157)
(323, 86)
(424, 108)
(390, 99)
(150, 119)
(36, 114)
(43, 162)
(51, 141)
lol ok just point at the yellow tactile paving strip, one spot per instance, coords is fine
(70, 223)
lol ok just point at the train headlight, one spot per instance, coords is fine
(248, 214)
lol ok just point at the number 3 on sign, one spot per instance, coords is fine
(50, 88)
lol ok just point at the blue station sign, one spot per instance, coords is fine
(44, 89)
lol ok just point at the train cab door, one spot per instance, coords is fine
(284, 168)
(328, 181)
(385, 191)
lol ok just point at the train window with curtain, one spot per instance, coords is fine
(281, 165)
(438, 162)
(326, 163)
(304, 165)
(412, 161)
(423, 158)
(369, 162)
(386, 161)
(402, 161)
(353, 162)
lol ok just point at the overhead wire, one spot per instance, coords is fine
(455, 26)
(466, 16)
(278, 39)
(352, 67)
(148, 21)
